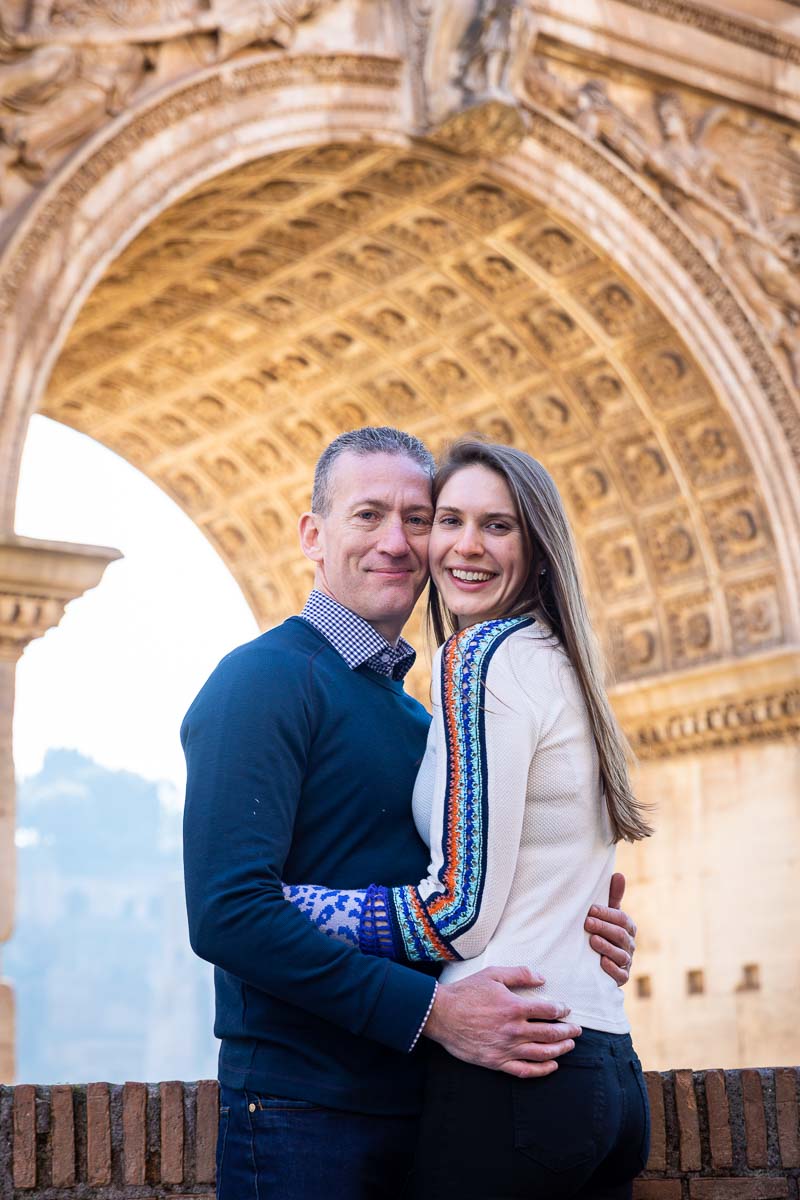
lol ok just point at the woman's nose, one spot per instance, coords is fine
(469, 540)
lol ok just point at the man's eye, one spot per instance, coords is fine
(420, 522)
(367, 514)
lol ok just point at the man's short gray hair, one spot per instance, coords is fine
(372, 439)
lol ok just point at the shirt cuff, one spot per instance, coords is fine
(425, 1018)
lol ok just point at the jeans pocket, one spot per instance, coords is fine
(264, 1102)
(558, 1118)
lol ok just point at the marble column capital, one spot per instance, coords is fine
(37, 581)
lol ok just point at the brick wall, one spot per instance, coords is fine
(717, 1135)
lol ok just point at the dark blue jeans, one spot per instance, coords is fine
(276, 1149)
(583, 1131)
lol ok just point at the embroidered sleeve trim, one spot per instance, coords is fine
(375, 929)
(426, 929)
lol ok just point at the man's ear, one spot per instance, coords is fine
(312, 541)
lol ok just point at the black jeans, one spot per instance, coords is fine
(583, 1131)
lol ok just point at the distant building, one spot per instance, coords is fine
(107, 986)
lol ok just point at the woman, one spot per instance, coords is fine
(521, 795)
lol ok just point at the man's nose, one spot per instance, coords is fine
(393, 539)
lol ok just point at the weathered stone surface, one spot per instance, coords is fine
(686, 1105)
(63, 1137)
(786, 1081)
(98, 1134)
(754, 1119)
(171, 1132)
(134, 1132)
(24, 1115)
(719, 1132)
(657, 1189)
(24, 1135)
(206, 1131)
(761, 1187)
(658, 1132)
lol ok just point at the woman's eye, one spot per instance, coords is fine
(448, 521)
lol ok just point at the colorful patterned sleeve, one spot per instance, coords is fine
(487, 737)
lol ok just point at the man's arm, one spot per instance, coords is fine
(247, 737)
(485, 744)
(613, 933)
(414, 923)
(338, 914)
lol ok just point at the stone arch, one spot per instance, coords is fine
(706, 463)
(689, 561)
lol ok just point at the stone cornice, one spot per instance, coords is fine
(752, 34)
(726, 55)
(714, 707)
(37, 581)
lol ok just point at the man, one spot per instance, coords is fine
(302, 750)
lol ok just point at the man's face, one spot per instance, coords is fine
(371, 547)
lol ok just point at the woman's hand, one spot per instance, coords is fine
(613, 933)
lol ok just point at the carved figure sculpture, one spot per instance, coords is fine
(58, 94)
(598, 116)
(704, 168)
(78, 62)
(775, 299)
(475, 53)
(494, 44)
(242, 23)
(688, 161)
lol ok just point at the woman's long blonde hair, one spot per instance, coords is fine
(552, 587)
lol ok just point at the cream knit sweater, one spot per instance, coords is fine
(508, 800)
(548, 853)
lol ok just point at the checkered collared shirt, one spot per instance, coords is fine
(355, 639)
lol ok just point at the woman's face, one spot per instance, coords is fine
(477, 554)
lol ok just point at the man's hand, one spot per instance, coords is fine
(613, 933)
(480, 1021)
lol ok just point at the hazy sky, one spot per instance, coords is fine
(114, 679)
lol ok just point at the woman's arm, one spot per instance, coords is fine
(486, 734)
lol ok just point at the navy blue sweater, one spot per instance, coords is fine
(300, 768)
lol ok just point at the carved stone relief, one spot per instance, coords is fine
(731, 175)
(68, 68)
(286, 300)
(636, 645)
(755, 614)
(467, 61)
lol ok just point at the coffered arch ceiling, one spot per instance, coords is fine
(318, 290)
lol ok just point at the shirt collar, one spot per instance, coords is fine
(355, 639)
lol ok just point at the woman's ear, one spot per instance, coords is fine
(312, 541)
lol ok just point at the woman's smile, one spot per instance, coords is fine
(478, 558)
(468, 577)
